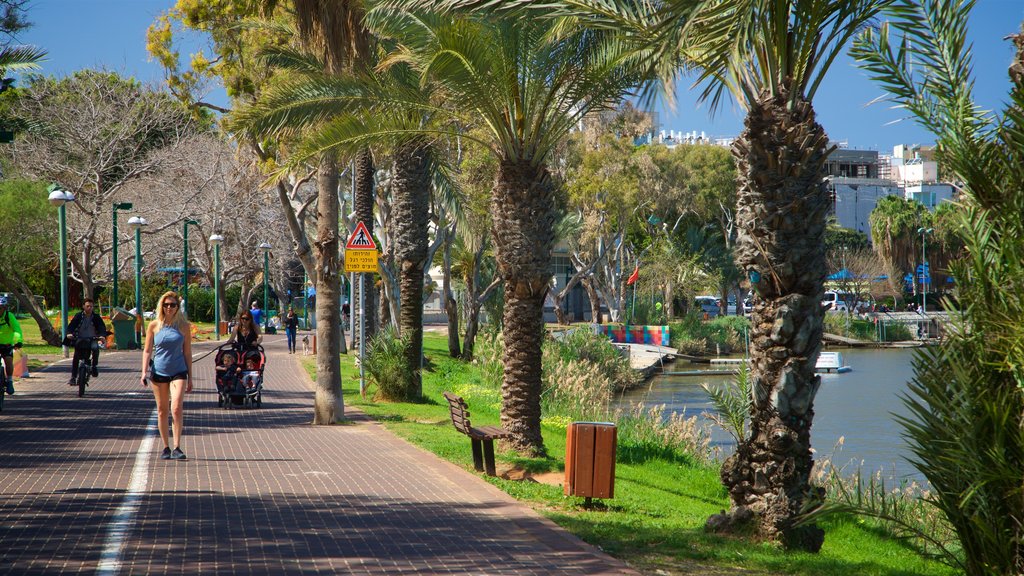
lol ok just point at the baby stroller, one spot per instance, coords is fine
(240, 376)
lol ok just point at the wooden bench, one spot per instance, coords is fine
(482, 437)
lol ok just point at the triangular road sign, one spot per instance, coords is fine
(360, 239)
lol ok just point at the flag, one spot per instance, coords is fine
(634, 276)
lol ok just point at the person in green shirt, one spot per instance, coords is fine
(10, 338)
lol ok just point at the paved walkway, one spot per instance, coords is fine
(262, 491)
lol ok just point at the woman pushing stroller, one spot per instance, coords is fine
(246, 335)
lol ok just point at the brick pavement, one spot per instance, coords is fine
(262, 492)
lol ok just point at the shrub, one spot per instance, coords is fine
(385, 362)
(721, 335)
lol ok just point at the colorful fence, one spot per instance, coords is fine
(653, 335)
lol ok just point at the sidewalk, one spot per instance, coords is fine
(262, 491)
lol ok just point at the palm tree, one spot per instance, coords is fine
(966, 432)
(331, 109)
(333, 29)
(528, 88)
(772, 55)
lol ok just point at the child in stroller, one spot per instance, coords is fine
(240, 383)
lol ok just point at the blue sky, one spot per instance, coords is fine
(112, 34)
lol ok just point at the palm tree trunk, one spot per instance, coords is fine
(411, 205)
(329, 406)
(522, 208)
(364, 213)
(451, 308)
(782, 203)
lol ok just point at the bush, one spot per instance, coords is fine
(721, 335)
(385, 362)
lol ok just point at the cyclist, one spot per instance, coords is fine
(10, 338)
(86, 328)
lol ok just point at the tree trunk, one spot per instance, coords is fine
(451, 308)
(411, 198)
(595, 300)
(782, 203)
(28, 302)
(364, 213)
(670, 310)
(522, 208)
(329, 406)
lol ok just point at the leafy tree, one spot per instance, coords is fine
(966, 431)
(93, 133)
(27, 245)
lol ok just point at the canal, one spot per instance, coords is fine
(857, 407)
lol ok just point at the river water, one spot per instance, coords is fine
(857, 407)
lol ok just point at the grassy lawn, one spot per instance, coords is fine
(656, 519)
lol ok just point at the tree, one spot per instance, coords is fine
(28, 244)
(237, 41)
(93, 132)
(551, 82)
(966, 431)
(771, 56)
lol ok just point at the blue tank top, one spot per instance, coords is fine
(168, 354)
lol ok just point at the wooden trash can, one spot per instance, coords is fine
(590, 459)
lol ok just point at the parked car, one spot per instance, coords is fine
(708, 305)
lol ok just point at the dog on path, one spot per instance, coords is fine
(305, 344)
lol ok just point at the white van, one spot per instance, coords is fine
(837, 300)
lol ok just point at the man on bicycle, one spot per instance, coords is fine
(10, 338)
(85, 328)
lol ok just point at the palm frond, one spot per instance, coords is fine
(20, 58)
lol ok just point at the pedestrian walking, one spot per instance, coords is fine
(256, 313)
(291, 328)
(169, 345)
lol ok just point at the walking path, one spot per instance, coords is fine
(262, 491)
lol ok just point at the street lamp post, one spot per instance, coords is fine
(184, 268)
(114, 262)
(924, 268)
(265, 247)
(216, 240)
(59, 198)
(136, 223)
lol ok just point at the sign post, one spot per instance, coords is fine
(361, 256)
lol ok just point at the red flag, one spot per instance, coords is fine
(634, 276)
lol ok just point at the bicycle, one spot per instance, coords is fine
(5, 350)
(85, 366)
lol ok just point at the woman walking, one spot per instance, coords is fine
(169, 345)
(291, 328)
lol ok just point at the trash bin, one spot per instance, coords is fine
(124, 329)
(590, 459)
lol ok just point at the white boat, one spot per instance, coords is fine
(831, 362)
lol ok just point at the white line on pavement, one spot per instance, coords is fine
(124, 519)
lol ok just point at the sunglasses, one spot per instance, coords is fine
(247, 319)
(170, 304)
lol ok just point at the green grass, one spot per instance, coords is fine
(655, 521)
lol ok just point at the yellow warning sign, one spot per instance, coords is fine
(360, 260)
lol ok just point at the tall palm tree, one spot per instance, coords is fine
(331, 109)
(334, 29)
(528, 88)
(772, 56)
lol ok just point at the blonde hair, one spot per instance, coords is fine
(180, 322)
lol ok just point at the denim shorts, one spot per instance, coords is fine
(161, 379)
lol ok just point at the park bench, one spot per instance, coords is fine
(482, 437)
